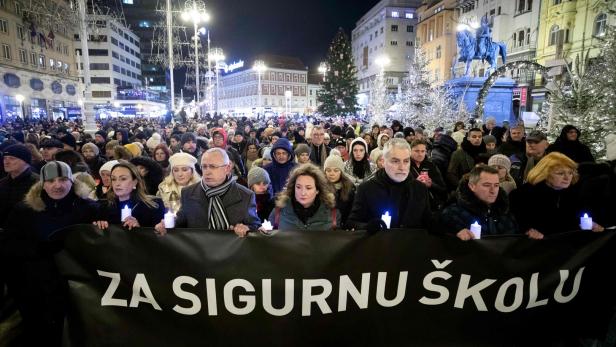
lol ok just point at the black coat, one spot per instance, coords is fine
(146, 216)
(407, 202)
(441, 153)
(438, 190)
(94, 166)
(13, 191)
(345, 206)
(577, 151)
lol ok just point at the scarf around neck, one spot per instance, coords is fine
(215, 210)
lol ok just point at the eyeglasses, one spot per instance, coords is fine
(211, 166)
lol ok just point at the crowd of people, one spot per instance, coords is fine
(298, 174)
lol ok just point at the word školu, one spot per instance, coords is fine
(317, 291)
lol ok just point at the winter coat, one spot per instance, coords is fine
(577, 151)
(438, 190)
(171, 193)
(463, 161)
(317, 155)
(153, 177)
(495, 219)
(279, 173)
(497, 132)
(238, 202)
(344, 206)
(510, 148)
(265, 205)
(597, 189)
(348, 170)
(12, 191)
(146, 216)
(323, 219)
(507, 183)
(441, 153)
(545, 209)
(407, 202)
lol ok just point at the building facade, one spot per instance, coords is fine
(315, 84)
(438, 21)
(37, 64)
(284, 88)
(387, 30)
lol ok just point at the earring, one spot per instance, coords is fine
(135, 187)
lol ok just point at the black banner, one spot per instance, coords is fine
(403, 287)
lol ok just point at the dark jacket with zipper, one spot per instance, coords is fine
(438, 190)
(146, 216)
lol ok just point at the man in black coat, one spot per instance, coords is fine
(490, 128)
(515, 144)
(19, 179)
(392, 190)
(426, 172)
(318, 150)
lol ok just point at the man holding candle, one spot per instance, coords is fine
(217, 201)
(392, 190)
(480, 199)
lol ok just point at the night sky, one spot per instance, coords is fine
(245, 28)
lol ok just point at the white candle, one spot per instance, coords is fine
(169, 220)
(267, 226)
(387, 219)
(126, 212)
(586, 222)
(476, 230)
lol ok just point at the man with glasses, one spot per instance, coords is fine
(318, 149)
(392, 190)
(217, 201)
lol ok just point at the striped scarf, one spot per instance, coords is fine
(215, 209)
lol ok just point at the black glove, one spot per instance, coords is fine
(375, 225)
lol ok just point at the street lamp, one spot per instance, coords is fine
(323, 69)
(20, 99)
(195, 13)
(287, 95)
(382, 61)
(216, 55)
(260, 67)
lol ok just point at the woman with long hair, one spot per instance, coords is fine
(161, 155)
(306, 203)
(358, 167)
(548, 202)
(341, 184)
(128, 193)
(183, 173)
(251, 153)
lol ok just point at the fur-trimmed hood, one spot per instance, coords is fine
(34, 200)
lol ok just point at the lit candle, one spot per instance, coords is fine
(267, 226)
(387, 219)
(169, 220)
(586, 222)
(126, 212)
(476, 230)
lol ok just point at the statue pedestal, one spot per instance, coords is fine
(498, 103)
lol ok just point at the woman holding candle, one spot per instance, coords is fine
(306, 203)
(548, 202)
(182, 174)
(127, 202)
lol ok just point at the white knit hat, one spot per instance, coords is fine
(182, 159)
(610, 142)
(153, 141)
(334, 161)
(108, 166)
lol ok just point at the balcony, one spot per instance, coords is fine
(531, 47)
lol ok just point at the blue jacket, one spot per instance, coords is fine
(279, 173)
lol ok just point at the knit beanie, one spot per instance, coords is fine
(489, 139)
(302, 148)
(359, 140)
(188, 137)
(55, 169)
(91, 146)
(182, 159)
(375, 155)
(69, 140)
(267, 153)
(107, 166)
(500, 160)
(102, 133)
(153, 141)
(334, 161)
(257, 175)
(133, 149)
(19, 151)
(610, 142)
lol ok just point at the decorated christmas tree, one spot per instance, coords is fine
(379, 100)
(339, 93)
(416, 97)
(442, 110)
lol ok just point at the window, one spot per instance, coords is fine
(66, 68)
(520, 42)
(33, 58)
(114, 41)
(4, 26)
(65, 50)
(394, 43)
(408, 15)
(557, 2)
(115, 55)
(98, 52)
(101, 94)
(409, 43)
(100, 80)
(6, 51)
(18, 8)
(52, 64)
(23, 56)
(394, 28)
(20, 32)
(527, 36)
(42, 61)
(409, 28)
(438, 52)
(128, 2)
(381, 30)
(99, 66)
(117, 82)
(600, 25)
(553, 35)
(395, 14)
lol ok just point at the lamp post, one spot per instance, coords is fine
(20, 99)
(287, 95)
(217, 56)
(260, 67)
(323, 69)
(195, 12)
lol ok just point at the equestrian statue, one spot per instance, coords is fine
(478, 47)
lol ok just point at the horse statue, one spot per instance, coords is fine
(478, 46)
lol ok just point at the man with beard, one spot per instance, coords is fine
(464, 159)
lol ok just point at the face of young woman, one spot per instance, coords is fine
(182, 174)
(160, 155)
(303, 158)
(106, 178)
(260, 188)
(333, 174)
(359, 152)
(305, 190)
(122, 183)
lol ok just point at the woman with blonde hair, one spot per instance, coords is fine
(182, 174)
(306, 203)
(548, 202)
(128, 192)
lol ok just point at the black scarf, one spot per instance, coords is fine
(304, 213)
